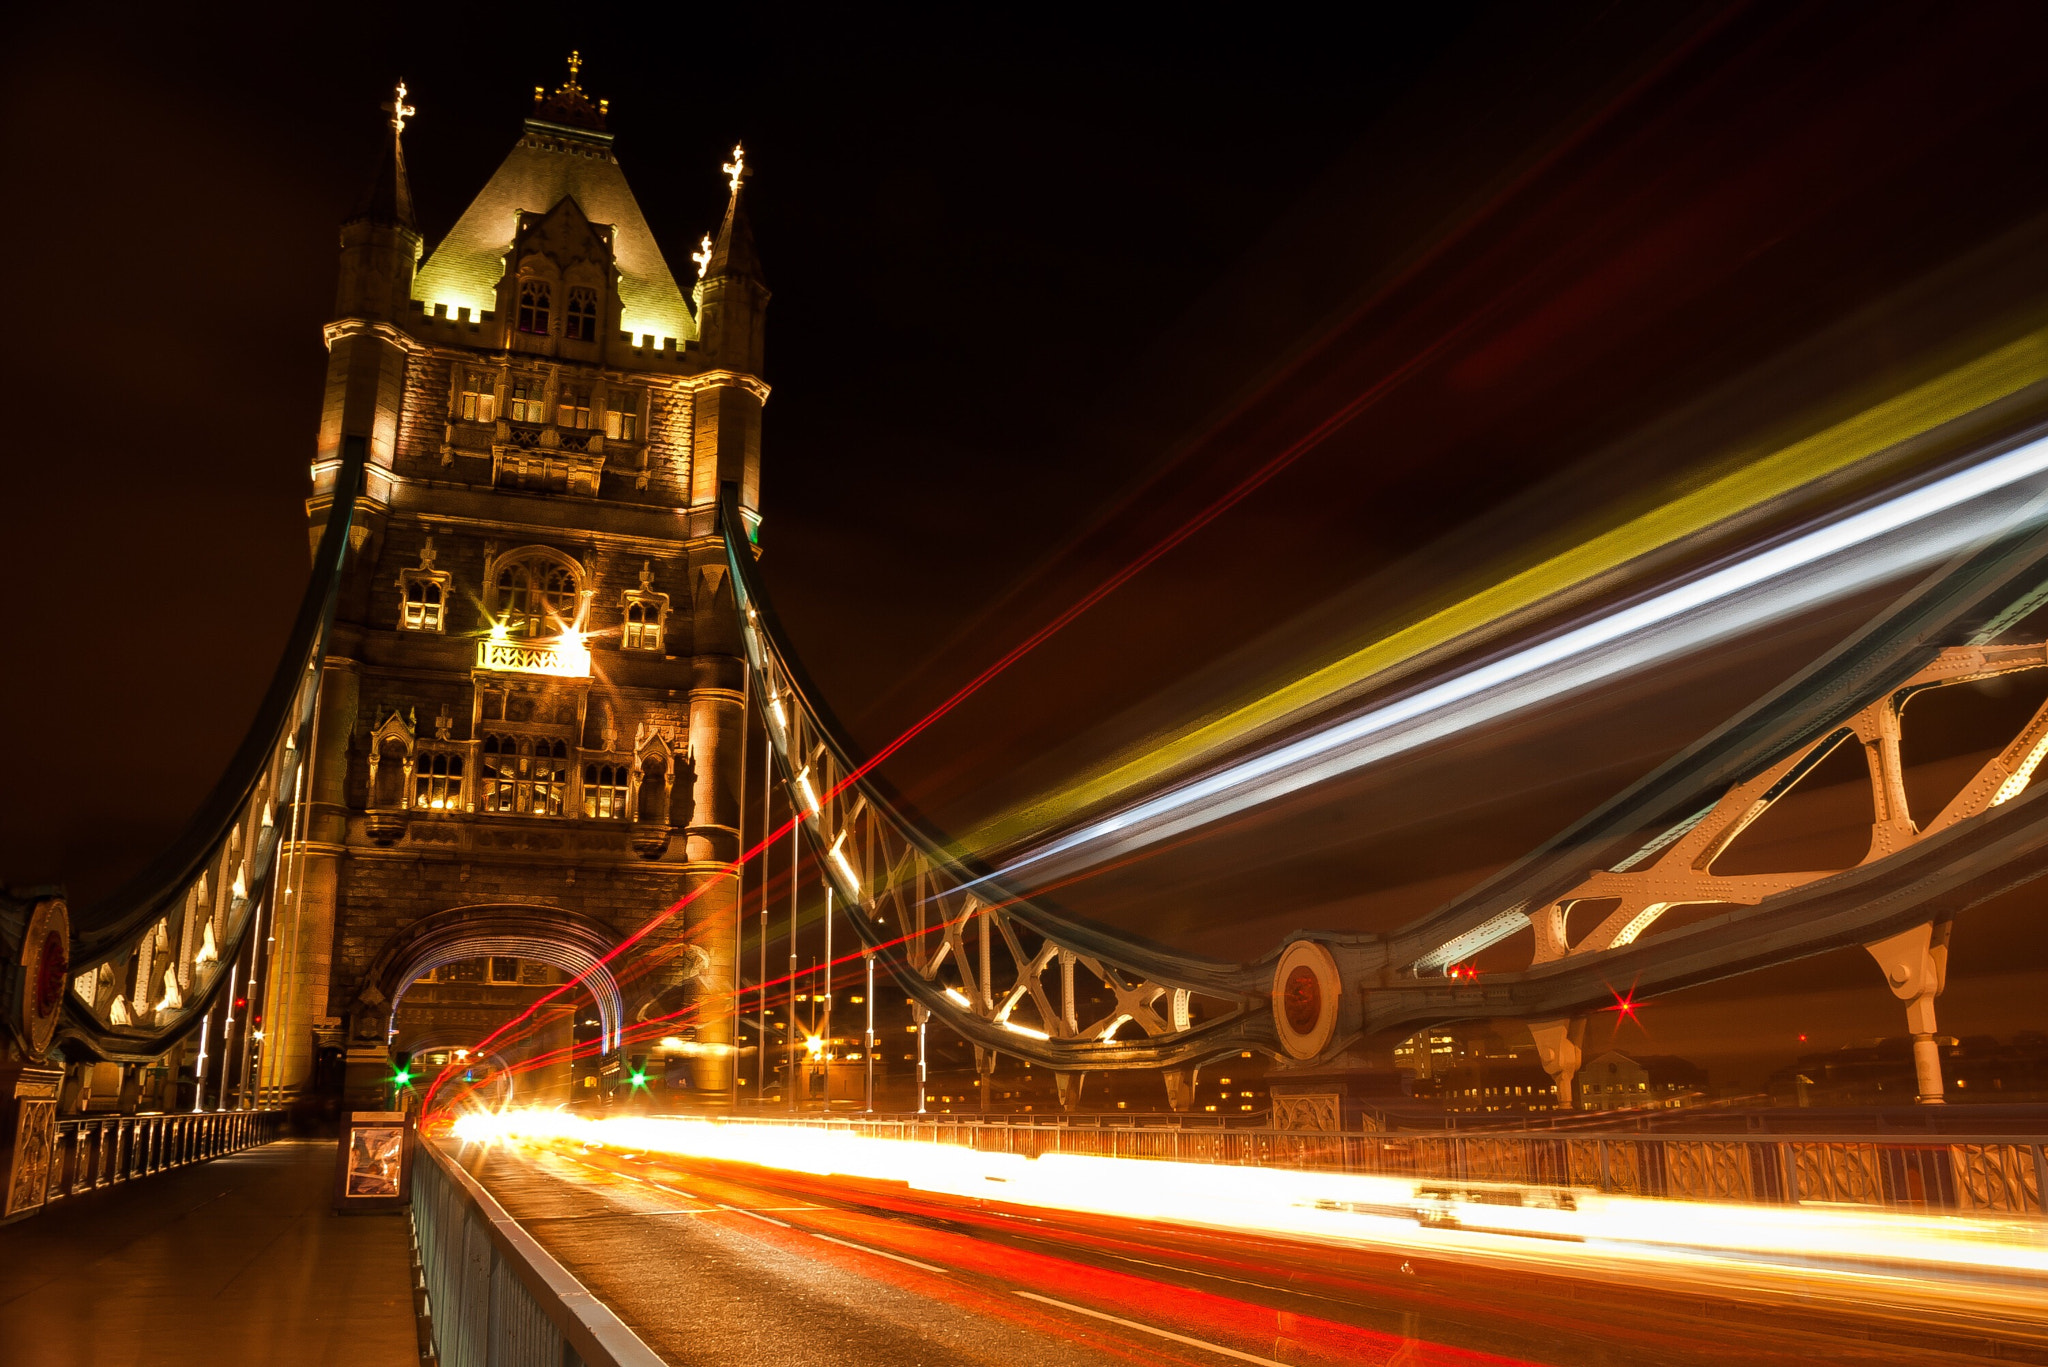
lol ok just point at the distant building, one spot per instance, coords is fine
(1478, 1070)
(1880, 1072)
(1616, 1080)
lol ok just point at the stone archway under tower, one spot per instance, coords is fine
(561, 939)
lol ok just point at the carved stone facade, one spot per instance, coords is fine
(533, 701)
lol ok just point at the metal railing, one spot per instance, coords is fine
(100, 1151)
(494, 1296)
(2005, 1174)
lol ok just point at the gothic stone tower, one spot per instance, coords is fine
(532, 706)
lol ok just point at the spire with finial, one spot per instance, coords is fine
(388, 198)
(569, 106)
(733, 252)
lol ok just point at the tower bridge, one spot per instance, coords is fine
(513, 721)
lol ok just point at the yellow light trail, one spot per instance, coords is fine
(2003, 1258)
(1947, 397)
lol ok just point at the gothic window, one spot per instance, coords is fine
(582, 321)
(479, 402)
(526, 400)
(425, 600)
(604, 791)
(504, 970)
(535, 595)
(622, 416)
(643, 621)
(524, 776)
(533, 306)
(437, 781)
(574, 408)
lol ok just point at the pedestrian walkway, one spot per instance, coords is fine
(238, 1261)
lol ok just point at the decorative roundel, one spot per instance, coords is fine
(46, 961)
(1306, 988)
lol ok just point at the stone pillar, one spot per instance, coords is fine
(1558, 1046)
(1069, 1085)
(1180, 1088)
(301, 953)
(1915, 966)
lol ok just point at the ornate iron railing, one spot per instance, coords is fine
(94, 1152)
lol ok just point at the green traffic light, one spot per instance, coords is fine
(639, 1079)
(402, 1078)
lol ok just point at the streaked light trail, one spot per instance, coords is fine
(1907, 532)
(2007, 1257)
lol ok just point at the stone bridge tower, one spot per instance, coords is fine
(532, 709)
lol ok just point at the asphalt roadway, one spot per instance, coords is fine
(729, 1264)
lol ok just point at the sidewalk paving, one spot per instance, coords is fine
(237, 1261)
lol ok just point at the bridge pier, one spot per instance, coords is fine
(1559, 1047)
(1069, 1085)
(1180, 1088)
(1915, 966)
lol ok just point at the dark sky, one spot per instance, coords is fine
(1043, 287)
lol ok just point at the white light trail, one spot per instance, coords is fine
(1908, 532)
(1342, 1208)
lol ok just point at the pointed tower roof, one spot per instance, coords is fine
(388, 196)
(733, 253)
(563, 152)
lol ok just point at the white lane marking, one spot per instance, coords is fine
(741, 1210)
(1162, 1333)
(691, 1195)
(879, 1253)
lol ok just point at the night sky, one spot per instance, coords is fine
(1043, 289)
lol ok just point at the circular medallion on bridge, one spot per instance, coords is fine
(1306, 989)
(46, 959)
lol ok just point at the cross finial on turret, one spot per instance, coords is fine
(702, 256)
(398, 109)
(737, 167)
(575, 65)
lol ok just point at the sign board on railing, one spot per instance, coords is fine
(373, 1170)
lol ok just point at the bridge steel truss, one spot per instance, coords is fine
(1000, 970)
(149, 963)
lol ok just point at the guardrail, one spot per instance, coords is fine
(494, 1296)
(100, 1151)
(2005, 1174)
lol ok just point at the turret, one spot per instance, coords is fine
(380, 242)
(732, 303)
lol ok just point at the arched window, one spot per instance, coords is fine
(524, 775)
(604, 791)
(643, 621)
(533, 306)
(581, 324)
(422, 605)
(534, 595)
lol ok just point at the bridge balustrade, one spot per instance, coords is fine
(1996, 1174)
(91, 1152)
(494, 1296)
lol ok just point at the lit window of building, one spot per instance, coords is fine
(581, 323)
(534, 594)
(574, 408)
(622, 416)
(479, 397)
(526, 405)
(533, 306)
(604, 791)
(525, 776)
(437, 781)
(425, 597)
